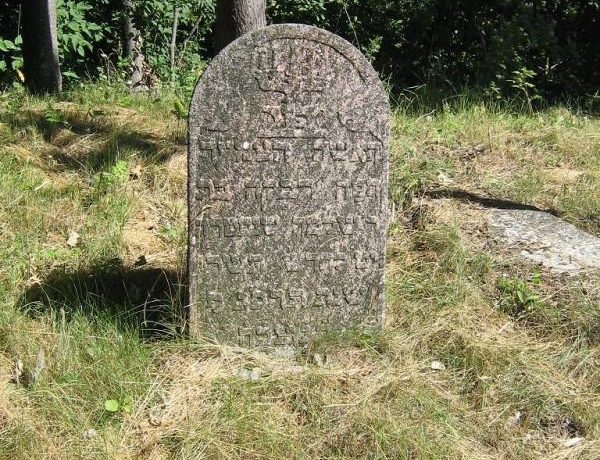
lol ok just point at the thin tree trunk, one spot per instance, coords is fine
(130, 32)
(236, 18)
(132, 47)
(173, 46)
(40, 47)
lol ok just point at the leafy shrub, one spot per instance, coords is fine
(518, 297)
(452, 44)
(155, 19)
(77, 35)
(12, 50)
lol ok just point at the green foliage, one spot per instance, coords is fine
(54, 117)
(527, 51)
(12, 50)
(75, 32)
(522, 82)
(113, 405)
(116, 175)
(179, 110)
(518, 296)
(155, 19)
(450, 45)
(77, 35)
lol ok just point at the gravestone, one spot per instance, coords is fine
(544, 239)
(288, 176)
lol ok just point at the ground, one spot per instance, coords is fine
(483, 355)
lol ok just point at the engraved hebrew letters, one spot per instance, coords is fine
(288, 166)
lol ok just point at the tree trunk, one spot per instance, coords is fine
(132, 48)
(40, 47)
(130, 32)
(237, 17)
(173, 46)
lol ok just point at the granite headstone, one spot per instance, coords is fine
(288, 178)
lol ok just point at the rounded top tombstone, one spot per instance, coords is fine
(288, 172)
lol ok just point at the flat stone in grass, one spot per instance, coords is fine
(542, 238)
(288, 175)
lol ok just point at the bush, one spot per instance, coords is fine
(452, 44)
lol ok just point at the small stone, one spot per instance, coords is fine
(90, 433)
(572, 442)
(72, 238)
(284, 352)
(437, 365)
(295, 370)
(34, 280)
(256, 374)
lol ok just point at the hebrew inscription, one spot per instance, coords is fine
(287, 190)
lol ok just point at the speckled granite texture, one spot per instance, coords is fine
(547, 240)
(288, 177)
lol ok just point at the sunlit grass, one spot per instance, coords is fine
(477, 360)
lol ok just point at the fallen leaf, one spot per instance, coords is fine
(127, 405)
(111, 405)
(155, 420)
(17, 370)
(72, 238)
(136, 171)
(444, 179)
(293, 370)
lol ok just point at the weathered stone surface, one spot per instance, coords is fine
(288, 173)
(545, 239)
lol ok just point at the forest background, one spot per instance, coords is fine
(535, 51)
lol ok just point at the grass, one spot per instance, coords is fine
(482, 357)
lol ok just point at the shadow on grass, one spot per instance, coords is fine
(117, 139)
(486, 202)
(150, 300)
